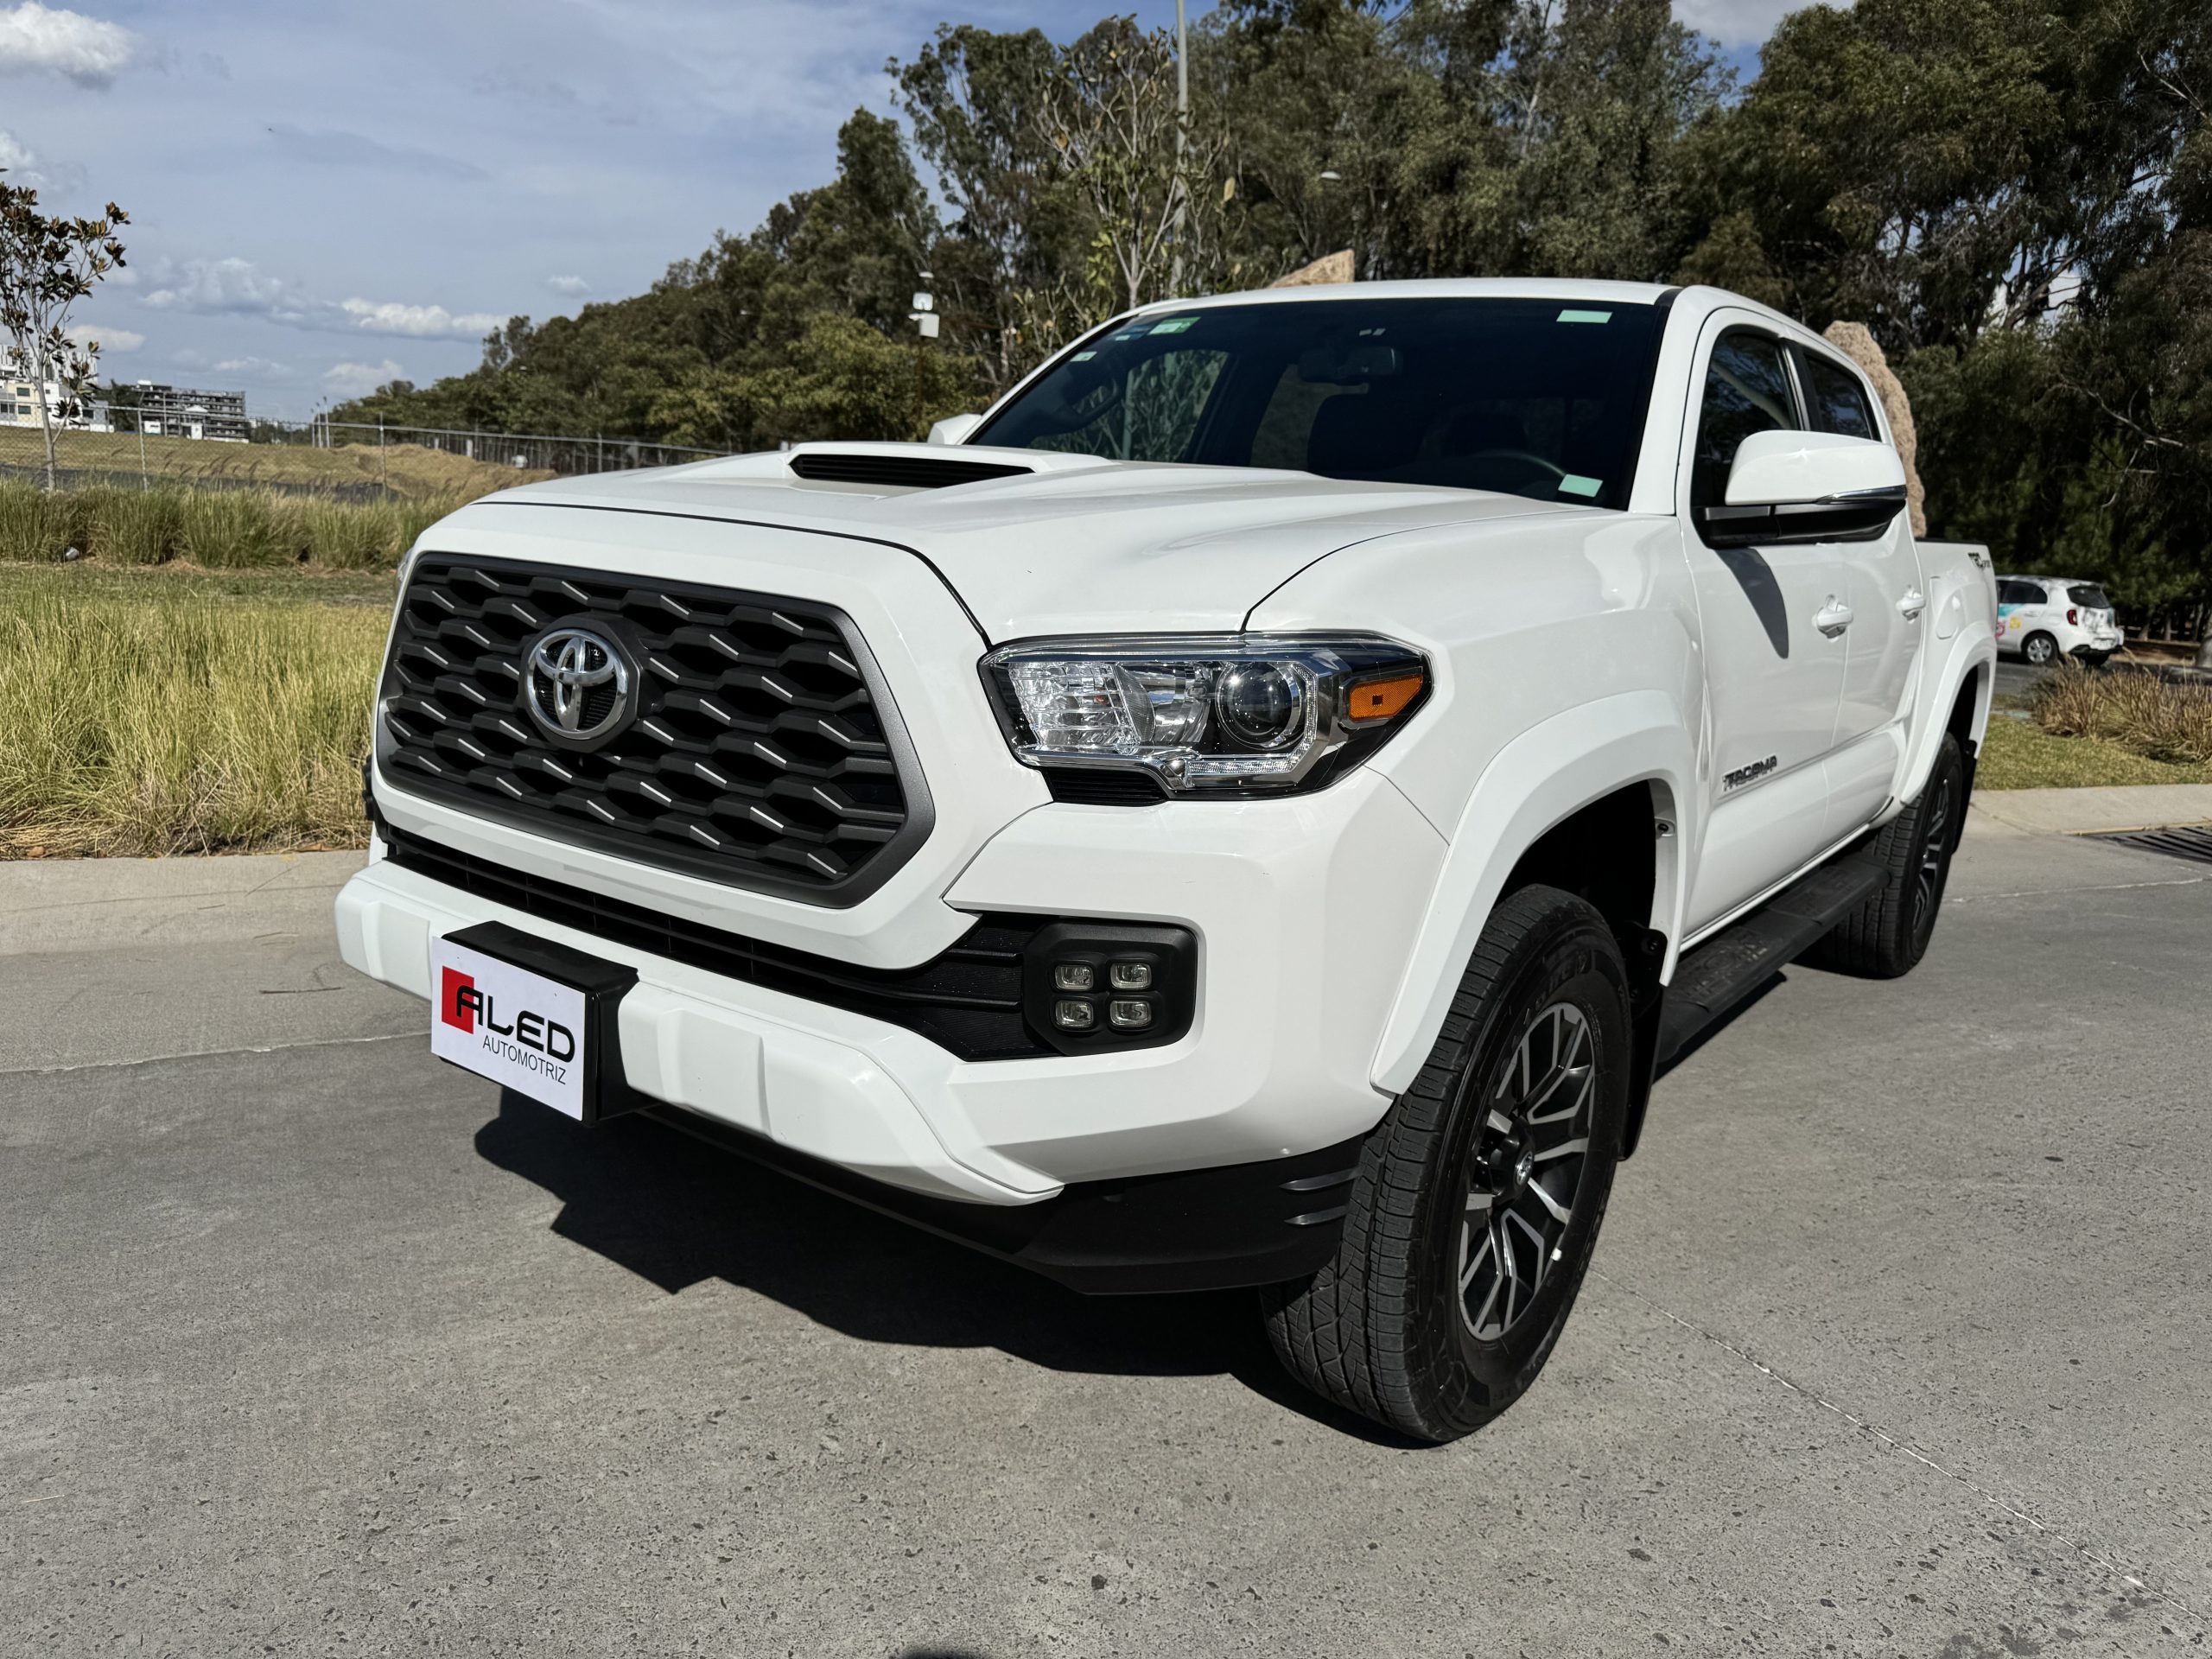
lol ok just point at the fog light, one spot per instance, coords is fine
(1130, 976)
(1072, 977)
(1070, 1013)
(1130, 1016)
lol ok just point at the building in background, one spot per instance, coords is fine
(19, 403)
(180, 412)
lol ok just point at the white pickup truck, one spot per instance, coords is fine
(1256, 808)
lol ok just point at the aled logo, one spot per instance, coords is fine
(462, 1004)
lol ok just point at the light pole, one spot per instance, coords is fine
(1182, 136)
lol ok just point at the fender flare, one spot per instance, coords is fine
(1933, 715)
(1539, 779)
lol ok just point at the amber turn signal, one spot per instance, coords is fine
(1382, 699)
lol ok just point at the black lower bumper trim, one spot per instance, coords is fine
(1195, 1230)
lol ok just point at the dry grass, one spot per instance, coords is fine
(2141, 713)
(151, 716)
(404, 470)
(216, 530)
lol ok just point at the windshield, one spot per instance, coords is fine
(1533, 398)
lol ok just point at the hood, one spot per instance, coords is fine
(1068, 544)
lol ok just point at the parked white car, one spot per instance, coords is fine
(2042, 619)
(1257, 811)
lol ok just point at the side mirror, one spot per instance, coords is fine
(1806, 487)
(955, 429)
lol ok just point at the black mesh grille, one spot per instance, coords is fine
(910, 472)
(761, 753)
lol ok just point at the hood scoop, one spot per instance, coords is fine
(905, 472)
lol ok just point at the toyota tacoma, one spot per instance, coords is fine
(1256, 808)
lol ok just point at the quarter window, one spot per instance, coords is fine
(1839, 400)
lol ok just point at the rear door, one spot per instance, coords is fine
(1774, 662)
(1882, 586)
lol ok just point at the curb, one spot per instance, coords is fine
(2089, 811)
(93, 904)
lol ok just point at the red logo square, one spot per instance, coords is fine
(454, 1009)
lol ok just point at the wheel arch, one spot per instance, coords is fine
(1579, 786)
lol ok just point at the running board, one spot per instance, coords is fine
(1714, 981)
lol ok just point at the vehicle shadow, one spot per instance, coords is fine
(677, 1211)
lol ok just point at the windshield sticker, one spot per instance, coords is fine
(1586, 316)
(1172, 326)
(1130, 333)
(1084, 357)
(1575, 483)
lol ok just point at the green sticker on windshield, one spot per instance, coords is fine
(1084, 357)
(1586, 316)
(1172, 326)
(1575, 483)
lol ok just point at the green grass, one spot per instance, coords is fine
(152, 712)
(2019, 755)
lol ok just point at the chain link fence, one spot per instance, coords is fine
(323, 457)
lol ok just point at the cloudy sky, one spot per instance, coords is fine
(326, 196)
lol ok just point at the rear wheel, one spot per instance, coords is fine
(2040, 649)
(1888, 934)
(1479, 1199)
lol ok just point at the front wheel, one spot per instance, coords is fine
(1478, 1199)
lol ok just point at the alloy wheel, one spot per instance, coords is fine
(1935, 858)
(1527, 1171)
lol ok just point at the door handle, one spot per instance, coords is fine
(1912, 605)
(1833, 617)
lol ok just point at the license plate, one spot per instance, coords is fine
(532, 1017)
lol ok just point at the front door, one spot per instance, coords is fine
(1774, 653)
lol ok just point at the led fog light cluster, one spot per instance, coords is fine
(1206, 714)
(1089, 986)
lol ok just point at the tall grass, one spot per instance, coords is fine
(2141, 713)
(166, 722)
(216, 529)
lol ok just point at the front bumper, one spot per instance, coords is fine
(1304, 909)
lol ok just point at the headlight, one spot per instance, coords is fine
(1231, 714)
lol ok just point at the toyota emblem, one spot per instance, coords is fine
(577, 684)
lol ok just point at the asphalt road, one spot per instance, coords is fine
(1895, 1345)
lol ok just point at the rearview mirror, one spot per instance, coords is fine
(954, 428)
(1806, 487)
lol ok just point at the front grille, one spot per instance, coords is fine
(763, 750)
(967, 999)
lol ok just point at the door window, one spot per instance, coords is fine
(1839, 401)
(1746, 391)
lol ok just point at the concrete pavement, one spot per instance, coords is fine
(1889, 1350)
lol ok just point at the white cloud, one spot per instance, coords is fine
(110, 340)
(226, 287)
(418, 321)
(357, 379)
(25, 166)
(240, 288)
(573, 287)
(253, 368)
(35, 40)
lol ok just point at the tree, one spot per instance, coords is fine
(47, 265)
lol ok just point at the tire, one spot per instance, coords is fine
(2040, 649)
(1425, 1322)
(2093, 658)
(1887, 935)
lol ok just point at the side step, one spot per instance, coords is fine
(1712, 981)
